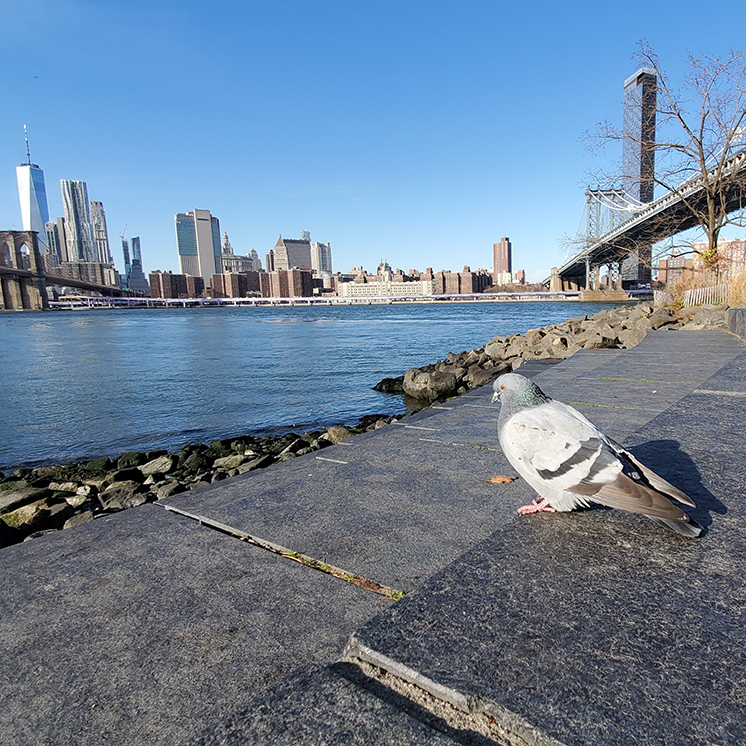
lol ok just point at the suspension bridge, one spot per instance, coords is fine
(620, 230)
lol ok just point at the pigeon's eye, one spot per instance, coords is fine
(502, 388)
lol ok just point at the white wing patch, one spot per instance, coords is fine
(556, 449)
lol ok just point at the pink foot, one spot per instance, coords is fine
(536, 507)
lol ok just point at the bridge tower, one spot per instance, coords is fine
(21, 272)
(606, 209)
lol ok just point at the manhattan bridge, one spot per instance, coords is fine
(623, 223)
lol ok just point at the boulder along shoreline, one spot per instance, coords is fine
(34, 502)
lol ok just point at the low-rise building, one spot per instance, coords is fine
(235, 285)
(170, 285)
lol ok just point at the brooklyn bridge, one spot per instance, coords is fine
(23, 279)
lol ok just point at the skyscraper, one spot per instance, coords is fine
(291, 252)
(100, 233)
(198, 244)
(127, 262)
(33, 197)
(78, 228)
(321, 257)
(638, 144)
(136, 279)
(502, 254)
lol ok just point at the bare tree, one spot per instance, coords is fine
(700, 142)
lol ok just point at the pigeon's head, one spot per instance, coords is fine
(517, 389)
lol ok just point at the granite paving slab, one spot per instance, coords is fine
(394, 506)
(142, 627)
(598, 627)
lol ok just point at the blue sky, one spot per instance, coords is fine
(418, 132)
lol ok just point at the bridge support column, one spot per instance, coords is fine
(592, 283)
(587, 274)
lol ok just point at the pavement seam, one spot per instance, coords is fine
(511, 725)
(303, 559)
(463, 445)
(712, 392)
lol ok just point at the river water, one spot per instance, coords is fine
(81, 384)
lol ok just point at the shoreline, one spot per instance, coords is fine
(95, 302)
(52, 497)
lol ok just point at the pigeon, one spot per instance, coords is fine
(571, 463)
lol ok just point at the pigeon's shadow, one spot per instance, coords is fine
(666, 459)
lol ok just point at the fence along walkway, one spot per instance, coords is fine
(712, 294)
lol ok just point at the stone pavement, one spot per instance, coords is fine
(152, 626)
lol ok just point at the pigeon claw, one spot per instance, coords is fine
(536, 507)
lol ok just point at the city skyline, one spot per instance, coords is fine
(382, 145)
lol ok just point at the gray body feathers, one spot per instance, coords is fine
(571, 463)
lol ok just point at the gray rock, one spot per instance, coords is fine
(27, 516)
(259, 463)
(601, 341)
(195, 462)
(131, 459)
(632, 337)
(662, 317)
(37, 534)
(126, 475)
(75, 501)
(390, 385)
(416, 384)
(12, 499)
(78, 519)
(160, 465)
(441, 384)
(229, 462)
(171, 488)
(126, 494)
(711, 317)
(480, 376)
(338, 433)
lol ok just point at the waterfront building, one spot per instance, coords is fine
(32, 194)
(502, 278)
(235, 285)
(100, 233)
(286, 283)
(269, 261)
(291, 252)
(78, 227)
(638, 143)
(383, 284)
(731, 259)
(198, 244)
(127, 262)
(502, 255)
(54, 244)
(672, 268)
(95, 272)
(170, 285)
(321, 258)
(474, 282)
(232, 262)
(136, 279)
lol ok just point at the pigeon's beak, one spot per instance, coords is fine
(496, 397)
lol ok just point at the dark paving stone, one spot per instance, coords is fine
(142, 627)
(597, 627)
(405, 503)
(330, 706)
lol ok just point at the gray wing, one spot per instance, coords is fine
(568, 454)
